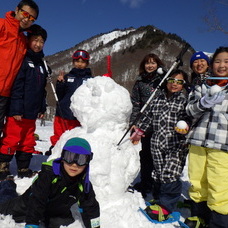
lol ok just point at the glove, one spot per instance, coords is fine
(31, 226)
(208, 101)
(136, 136)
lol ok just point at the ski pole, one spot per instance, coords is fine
(54, 92)
(177, 63)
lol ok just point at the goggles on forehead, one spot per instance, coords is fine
(178, 81)
(81, 54)
(79, 159)
(25, 14)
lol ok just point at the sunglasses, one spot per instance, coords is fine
(178, 81)
(81, 54)
(25, 14)
(79, 159)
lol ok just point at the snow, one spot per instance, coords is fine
(103, 107)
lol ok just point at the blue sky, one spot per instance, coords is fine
(69, 22)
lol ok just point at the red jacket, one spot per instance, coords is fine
(13, 47)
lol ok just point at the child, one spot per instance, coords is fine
(26, 103)
(199, 64)
(62, 186)
(208, 155)
(167, 146)
(65, 87)
(13, 48)
(145, 84)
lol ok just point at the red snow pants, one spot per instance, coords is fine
(60, 126)
(18, 135)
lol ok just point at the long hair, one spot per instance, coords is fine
(146, 59)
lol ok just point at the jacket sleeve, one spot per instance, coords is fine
(61, 88)
(90, 210)
(136, 102)
(17, 92)
(38, 198)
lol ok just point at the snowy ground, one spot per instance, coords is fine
(104, 107)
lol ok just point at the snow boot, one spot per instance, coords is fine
(23, 161)
(4, 170)
(21, 173)
(49, 152)
(157, 212)
(195, 222)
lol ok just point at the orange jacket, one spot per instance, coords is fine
(13, 47)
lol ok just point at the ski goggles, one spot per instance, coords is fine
(25, 14)
(175, 80)
(79, 159)
(81, 54)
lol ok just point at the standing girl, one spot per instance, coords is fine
(167, 144)
(145, 84)
(208, 157)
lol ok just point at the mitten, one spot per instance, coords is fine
(31, 226)
(208, 101)
(136, 136)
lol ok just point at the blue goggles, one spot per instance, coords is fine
(81, 54)
(79, 159)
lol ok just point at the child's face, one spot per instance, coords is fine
(175, 86)
(80, 63)
(151, 65)
(25, 16)
(200, 66)
(36, 43)
(220, 65)
(73, 169)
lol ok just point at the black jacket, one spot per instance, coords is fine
(28, 91)
(144, 86)
(50, 199)
(65, 90)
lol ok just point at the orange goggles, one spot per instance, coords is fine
(25, 14)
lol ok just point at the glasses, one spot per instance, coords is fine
(178, 81)
(81, 54)
(25, 14)
(79, 159)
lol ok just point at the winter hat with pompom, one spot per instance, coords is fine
(77, 146)
(199, 55)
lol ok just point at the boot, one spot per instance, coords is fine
(195, 222)
(21, 173)
(4, 170)
(23, 161)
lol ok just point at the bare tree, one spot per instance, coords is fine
(213, 19)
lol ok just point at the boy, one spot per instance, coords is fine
(65, 87)
(13, 48)
(27, 102)
(62, 186)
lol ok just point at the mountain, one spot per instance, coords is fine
(127, 48)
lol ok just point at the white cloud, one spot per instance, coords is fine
(133, 3)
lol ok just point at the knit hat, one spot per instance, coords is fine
(78, 146)
(199, 55)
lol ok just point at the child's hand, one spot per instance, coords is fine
(182, 127)
(60, 77)
(137, 135)
(17, 117)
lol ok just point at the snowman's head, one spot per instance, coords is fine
(101, 101)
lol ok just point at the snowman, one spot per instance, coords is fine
(103, 108)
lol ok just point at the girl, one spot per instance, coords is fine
(147, 81)
(208, 155)
(167, 146)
